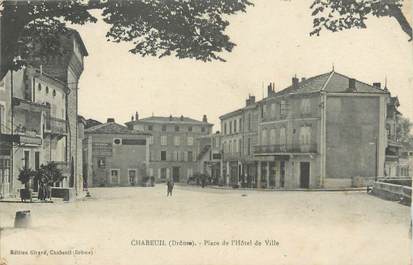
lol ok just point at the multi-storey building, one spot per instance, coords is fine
(173, 151)
(239, 136)
(322, 132)
(325, 131)
(115, 156)
(41, 118)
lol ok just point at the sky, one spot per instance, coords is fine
(273, 45)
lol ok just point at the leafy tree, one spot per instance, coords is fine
(184, 28)
(337, 15)
(49, 174)
(25, 175)
(404, 128)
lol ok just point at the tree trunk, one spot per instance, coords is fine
(397, 13)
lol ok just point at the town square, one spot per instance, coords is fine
(206, 132)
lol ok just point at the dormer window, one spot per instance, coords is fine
(47, 90)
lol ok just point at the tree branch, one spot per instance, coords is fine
(397, 13)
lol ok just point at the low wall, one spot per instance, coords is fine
(67, 194)
(392, 192)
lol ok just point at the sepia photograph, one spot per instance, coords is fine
(206, 132)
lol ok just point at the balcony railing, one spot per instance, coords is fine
(56, 126)
(285, 148)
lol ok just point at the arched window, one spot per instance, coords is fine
(54, 93)
(47, 90)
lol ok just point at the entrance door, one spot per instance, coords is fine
(304, 175)
(36, 166)
(282, 173)
(175, 174)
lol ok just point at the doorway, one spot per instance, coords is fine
(36, 167)
(132, 177)
(304, 175)
(282, 174)
(175, 174)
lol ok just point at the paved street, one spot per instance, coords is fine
(310, 228)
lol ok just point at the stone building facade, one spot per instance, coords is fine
(41, 115)
(113, 155)
(327, 131)
(173, 153)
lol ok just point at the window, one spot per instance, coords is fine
(114, 176)
(282, 136)
(116, 141)
(164, 140)
(239, 145)
(151, 172)
(225, 128)
(305, 135)
(39, 87)
(273, 110)
(163, 155)
(249, 146)
(47, 90)
(190, 140)
(151, 139)
(190, 156)
(305, 106)
(283, 108)
(101, 162)
(176, 128)
(176, 156)
(272, 136)
(264, 111)
(4, 171)
(2, 118)
(164, 128)
(230, 127)
(189, 172)
(163, 173)
(264, 137)
(190, 129)
(235, 126)
(216, 142)
(240, 125)
(249, 121)
(54, 92)
(202, 129)
(150, 127)
(177, 140)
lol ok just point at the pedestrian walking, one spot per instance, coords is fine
(170, 187)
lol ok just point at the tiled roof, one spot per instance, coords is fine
(159, 119)
(112, 128)
(332, 82)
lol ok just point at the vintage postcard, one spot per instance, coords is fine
(203, 132)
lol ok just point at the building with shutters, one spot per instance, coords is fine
(113, 155)
(327, 131)
(39, 116)
(173, 151)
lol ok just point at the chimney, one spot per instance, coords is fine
(170, 117)
(269, 89)
(131, 118)
(110, 120)
(352, 84)
(204, 118)
(377, 85)
(295, 81)
(136, 116)
(182, 118)
(252, 99)
(303, 79)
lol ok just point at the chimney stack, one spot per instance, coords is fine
(352, 84)
(182, 118)
(377, 85)
(131, 118)
(136, 116)
(295, 81)
(170, 117)
(303, 79)
(204, 118)
(110, 120)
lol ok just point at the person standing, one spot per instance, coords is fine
(170, 187)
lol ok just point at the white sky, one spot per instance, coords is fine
(273, 44)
